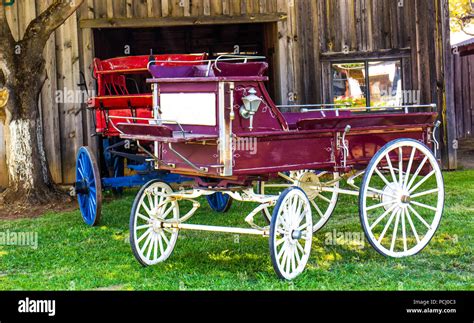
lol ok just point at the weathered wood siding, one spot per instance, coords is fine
(308, 33)
(464, 95)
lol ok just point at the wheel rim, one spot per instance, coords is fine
(291, 234)
(219, 202)
(87, 176)
(404, 218)
(151, 243)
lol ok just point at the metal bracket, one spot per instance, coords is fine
(344, 145)
(434, 140)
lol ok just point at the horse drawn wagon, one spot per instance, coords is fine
(386, 156)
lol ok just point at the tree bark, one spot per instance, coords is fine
(23, 75)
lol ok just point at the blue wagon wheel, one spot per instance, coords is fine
(219, 202)
(88, 186)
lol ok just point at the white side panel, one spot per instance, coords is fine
(189, 108)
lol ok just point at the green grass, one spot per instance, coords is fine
(73, 256)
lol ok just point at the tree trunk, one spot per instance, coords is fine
(28, 172)
(22, 74)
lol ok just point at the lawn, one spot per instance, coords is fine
(71, 256)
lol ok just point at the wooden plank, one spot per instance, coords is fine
(216, 7)
(458, 97)
(129, 8)
(165, 8)
(466, 94)
(470, 105)
(86, 50)
(119, 9)
(225, 7)
(176, 8)
(100, 9)
(178, 21)
(235, 7)
(449, 124)
(157, 10)
(207, 7)
(281, 52)
(262, 6)
(110, 8)
(140, 9)
(67, 61)
(49, 107)
(187, 8)
(197, 8)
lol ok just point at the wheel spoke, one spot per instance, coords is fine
(435, 190)
(282, 250)
(299, 246)
(279, 242)
(144, 235)
(317, 208)
(150, 246)
(324, 198)
(143, 217)
(150, 202)
(288, 260)
(389, 163)
(395, 230)
(412, 226)
(302, 227)
(145, 245)
(380, 218)
(424, 206)
(160, 242)
(419, 216)
(413, 178)
(167, 211)
(144, 226)
(410, 163)
(422, 181)
(155, 249)
(400, 165)
(380, 205)
(165, 239)
(147, 210)
(384, 179)
(388, 224)
(404, 232)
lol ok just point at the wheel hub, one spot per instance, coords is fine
(156, 225)
(81, 187)
(296, 234)
(310, 184)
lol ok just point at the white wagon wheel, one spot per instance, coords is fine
(150, 242)
(406, 177)
(291, 233)
(312, 182)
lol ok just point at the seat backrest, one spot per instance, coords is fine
(240, 69)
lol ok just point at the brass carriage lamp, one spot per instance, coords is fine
(251, 104)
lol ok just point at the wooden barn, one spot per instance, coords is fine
(390, 48)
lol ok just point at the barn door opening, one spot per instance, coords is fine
(248, 39)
